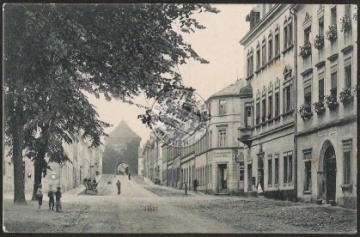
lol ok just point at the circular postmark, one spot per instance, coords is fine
(179, 117)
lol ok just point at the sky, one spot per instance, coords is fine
(218, 43)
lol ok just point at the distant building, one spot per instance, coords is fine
(126, 143)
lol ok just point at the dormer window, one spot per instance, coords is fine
(254, 18)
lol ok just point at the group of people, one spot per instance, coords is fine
(51, 195)
(88, 181)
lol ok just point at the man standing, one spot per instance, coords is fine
(129, 175)
(118, 184)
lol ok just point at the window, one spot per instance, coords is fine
(348, 10)
(321, 26)
(222, 107)
(276, 169)
(333, 16)
(307, 174)
(248, 115)
(347, 75)
(290, 32)
(250, 63)
(257, 112)
(347, 145)
(270, 170)
(210, 139)
(264, 109)
(334, 84)
(307, 95)
(277, 42)
(277, 104)
(288, 167)
(270, 106)
(287, 99)
(222, 138)
(263, 53)
(241, 171)
(307, 35)
(321, 87)
(249, 168)
(285, 35)
(270, 48)
(258, 56)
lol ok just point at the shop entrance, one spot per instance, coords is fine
(222, 169)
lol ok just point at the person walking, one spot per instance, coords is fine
(39, 196)
(118, 184)
(58, 198)
(195, 184)
(51, 198)
(129, 175)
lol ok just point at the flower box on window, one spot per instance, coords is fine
(319, 42)
(305, 50)
(319, 107)
(305, 111)
(331, 102)
(345, 24)
(331, 34)
(346, 97)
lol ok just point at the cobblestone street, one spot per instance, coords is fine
(148, 208)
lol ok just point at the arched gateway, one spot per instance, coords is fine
(327, 173)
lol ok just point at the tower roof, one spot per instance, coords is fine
(123, 131)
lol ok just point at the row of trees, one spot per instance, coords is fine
(54, 53)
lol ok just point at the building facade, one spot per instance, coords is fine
(326, 129)
(85, 163)
(268, 126)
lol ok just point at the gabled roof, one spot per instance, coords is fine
(231, 90)
(123, 131)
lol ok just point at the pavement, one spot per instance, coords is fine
(143, 207)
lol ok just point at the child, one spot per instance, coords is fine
(51, 198)
(39, 196)
(58, 203)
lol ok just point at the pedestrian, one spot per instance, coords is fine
(129, 175)
(195, 184)
(39, 196)
(118, 184)
(94, 181)
(51, 198)
(58, 197)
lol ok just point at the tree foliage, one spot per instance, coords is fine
(53, 53)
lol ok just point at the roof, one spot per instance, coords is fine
(246, 90)
(123, 131)
(234, 89)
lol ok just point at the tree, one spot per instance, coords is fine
(118, 51)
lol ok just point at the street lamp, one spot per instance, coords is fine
(61, 164)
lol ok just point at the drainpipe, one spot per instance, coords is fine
(292, 12)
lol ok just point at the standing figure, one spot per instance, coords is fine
(39, 196)
(51, 198)
(129, 175)
(195, 184)
(58, 197)
(118, 184)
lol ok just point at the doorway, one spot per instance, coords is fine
(330, 174)
(222, 177)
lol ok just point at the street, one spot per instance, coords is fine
(143, 207)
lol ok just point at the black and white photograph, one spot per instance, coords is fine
(187, 118)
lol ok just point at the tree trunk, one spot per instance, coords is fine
(38, 165)
(19, 181)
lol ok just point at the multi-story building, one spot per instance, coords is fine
(66, 175)
(326, 131)
(211, 159)
(268, 125)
